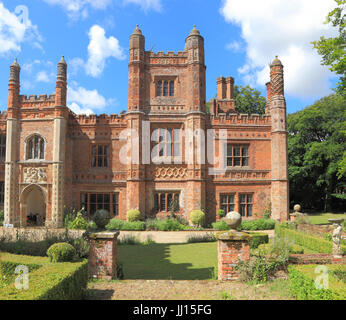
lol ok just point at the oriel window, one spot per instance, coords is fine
(35, 148)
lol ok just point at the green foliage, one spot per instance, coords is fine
(248, 100)
(316, 146)
(303, 287)
(61, 252)
(118, 224)
(128, 239)
(221, 213)
(79, 223)
(133, 215)
(221, 225)
(257, 239)
(197, 217)
(81, 247)
(208, 237)
(340, 273)
(48, 281)
(305, 240)
(332, 49)
(1, 217)
(257, 224)
(115, 224)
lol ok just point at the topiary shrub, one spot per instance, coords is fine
(61, 252)
(197, 217)
(101, 218)
(133, 215)
(115, 224)
(221, 213)
(257, 239)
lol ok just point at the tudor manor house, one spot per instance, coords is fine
(53, 159)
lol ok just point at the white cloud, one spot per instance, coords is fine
(234, 46)
(79, 8)
(43, 76)
(100, 49)
(78, 110)
(147, 4)
(16, 28)
(81, 100)
(285, 28)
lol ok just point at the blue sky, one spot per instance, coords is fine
(241, 38)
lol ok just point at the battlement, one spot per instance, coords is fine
(169, 54)
(254, 119)
(35, 98)
(93, 119)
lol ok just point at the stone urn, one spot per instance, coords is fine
(233, 219)
(293, 216)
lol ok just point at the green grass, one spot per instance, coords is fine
(193, 261)
(322, 218)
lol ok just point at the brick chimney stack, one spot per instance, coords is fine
(61, 84)
(13, 89)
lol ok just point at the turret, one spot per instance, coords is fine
(194, 46)
(13, 89)
(279, 160)
(136, 70)
(61, 84)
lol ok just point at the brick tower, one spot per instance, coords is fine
(195, 121)
(11, 167)
(279, 161)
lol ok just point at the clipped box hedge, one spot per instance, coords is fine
(257, 239)
(47, 281)
(302, 283)
(309, 241)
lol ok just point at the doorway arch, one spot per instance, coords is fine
(33, 206)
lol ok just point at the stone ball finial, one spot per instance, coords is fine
(297, 208)
(233, 219)
(137, 31)
(276, 62)
(194, 31)
(101, 218)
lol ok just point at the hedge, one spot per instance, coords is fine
(257, 239)
(258, 224)
(302, 283)
(312, 242)
(47, 281)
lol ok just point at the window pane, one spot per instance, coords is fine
(230, 207)
(169, 202)
(223, 199)
(159, 88)
(242, 198)
(229, 150)
(171, 89)
(249, 210)
(237, 161)
(163, 202)
(99, 198)
(231, 198)
(245, 151)
(236, 151)
(242, 210)
(93, 198)
(245, 161)
(156, 202)
(36, 146)
(229, 162)
(176, 202)
(165, 88)
(249, 198)
(42, 149)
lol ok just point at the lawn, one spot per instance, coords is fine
(322, 218)
(169, 261)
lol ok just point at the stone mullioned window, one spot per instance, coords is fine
(99, 156)
(94, 201)
(166, 202)
(237, 155)
(35, 147)
(165, 88)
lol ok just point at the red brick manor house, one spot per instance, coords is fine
(52, 158)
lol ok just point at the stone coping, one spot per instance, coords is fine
(233, 235)
(104, 235)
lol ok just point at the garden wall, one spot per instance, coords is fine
(36, 234)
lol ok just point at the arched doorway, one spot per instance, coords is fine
(33, 206)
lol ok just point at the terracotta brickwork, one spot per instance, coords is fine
(103, 255)
(229, 254)
(166, 91)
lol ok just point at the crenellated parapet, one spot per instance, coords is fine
(34, 101)
(242, 119)
(170, 58)
(93, 119)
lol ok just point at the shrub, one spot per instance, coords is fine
(82, 248)
(208, 237)
(305, 240)
(258, 224)
(258, 238)
(197, 217)
(129, 240)
(92, 225)
(133, 215)
(101, 218)
(133, 226)
(61, 252)
(79, 223)
(303, 287)
(48, 281)
(221, 213)
(115, 224)
(221, 225)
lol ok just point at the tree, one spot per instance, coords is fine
(249, 100)
(333, 50)
(316, 145)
